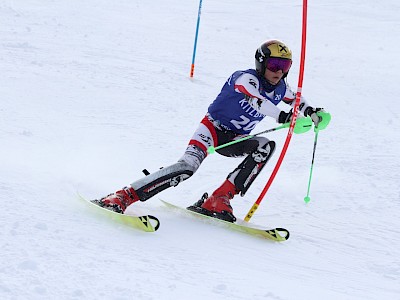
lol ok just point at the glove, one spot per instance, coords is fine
(312, 112)
(319, 116)
(285, 117)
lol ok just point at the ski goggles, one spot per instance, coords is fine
(274, 64)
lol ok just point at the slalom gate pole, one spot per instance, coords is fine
(307, 198)
(195, 39)
(294, 117)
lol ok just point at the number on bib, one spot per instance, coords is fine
(244, 123)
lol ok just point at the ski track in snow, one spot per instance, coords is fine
(93, 92)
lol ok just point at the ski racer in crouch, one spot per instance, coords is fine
(245, 99)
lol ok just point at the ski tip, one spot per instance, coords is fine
(155, 220)
(281, 234)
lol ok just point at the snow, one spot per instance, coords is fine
(92, 92)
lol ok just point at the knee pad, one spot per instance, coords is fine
(193, 156)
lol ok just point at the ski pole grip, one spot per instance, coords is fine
(303, 125)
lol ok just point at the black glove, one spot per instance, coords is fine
(285, 117)
(312, 112)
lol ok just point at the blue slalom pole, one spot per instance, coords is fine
(195, 39)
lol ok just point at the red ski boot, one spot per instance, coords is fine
(118, 201)
(218, 205)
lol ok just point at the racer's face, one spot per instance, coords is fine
(273, 77)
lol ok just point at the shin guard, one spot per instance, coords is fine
(164, 178)
(244, 175)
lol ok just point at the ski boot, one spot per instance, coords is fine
(118, 201)
(218, 205)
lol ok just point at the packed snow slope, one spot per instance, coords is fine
(94, 91)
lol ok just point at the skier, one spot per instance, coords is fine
(245, 99)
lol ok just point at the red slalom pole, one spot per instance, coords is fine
(294, 117)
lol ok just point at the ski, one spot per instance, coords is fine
(146, 223)
(275, 234)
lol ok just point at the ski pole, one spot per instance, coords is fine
(307, 198)
(212, 149)
(302, 125)
(195, 39)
